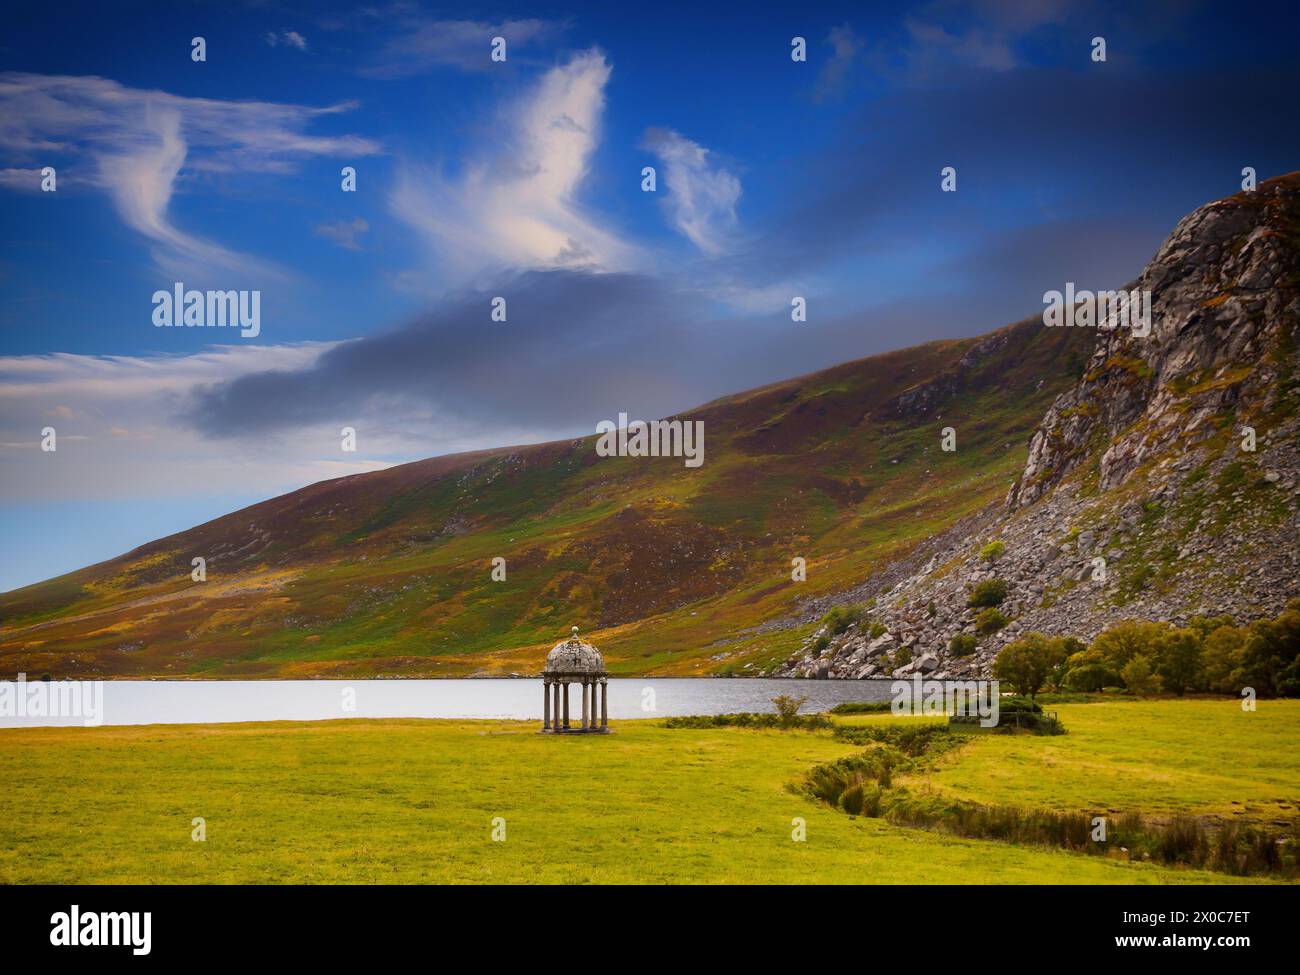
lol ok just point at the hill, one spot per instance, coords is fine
(670, 569)
(1074, 447)
(1162, 485)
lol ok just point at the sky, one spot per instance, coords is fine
(522, 178)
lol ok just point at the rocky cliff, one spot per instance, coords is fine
(1162, 485)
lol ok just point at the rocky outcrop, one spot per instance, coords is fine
(1163, 485)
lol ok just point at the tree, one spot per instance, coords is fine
(1221, 656)
(787, 709)
(1270, 660)
(1090, 677)
(1178, 660)
(1121, 642)
(1139, 677)
(1026, 663)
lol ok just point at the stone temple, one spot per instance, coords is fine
(574, 661)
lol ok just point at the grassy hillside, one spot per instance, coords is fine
(407, 801)
(668, 569)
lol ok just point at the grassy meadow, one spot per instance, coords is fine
(369, 801)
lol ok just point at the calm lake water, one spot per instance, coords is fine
(186, 702)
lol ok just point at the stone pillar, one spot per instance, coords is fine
(604, 702)
(555, 705)
(566, 705)
(546, 705)
(586, 693)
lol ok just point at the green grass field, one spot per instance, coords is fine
(1203, 757)
(413, 801)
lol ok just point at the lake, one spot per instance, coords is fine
(193, 702)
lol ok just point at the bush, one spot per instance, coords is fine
(990, 592)
(990, 621)
(1013, 704)
(803, 722)
(841, 618)
(878, 629)
(962, 644)
(862, 707)
(992, 551)
(853, 799)
(787, 709)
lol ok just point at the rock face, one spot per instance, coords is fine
(1161, 486)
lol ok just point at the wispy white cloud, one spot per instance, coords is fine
(978, 47)
(286, 38)
(702, 195)
(984, 35)
(140, 142)
(21, 180)
(421, 43)
(846, 45)
(343, 232)
(515, 205)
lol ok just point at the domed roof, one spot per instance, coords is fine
(574, 656)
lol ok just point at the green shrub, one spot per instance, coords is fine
(861, 707)
(1015, 704)
(802, 722)
(787, 709)
(990, 592)
(990, 621)
(878, 629)
(853, 799)
(962, 644)
(840, 618)
(992, 551)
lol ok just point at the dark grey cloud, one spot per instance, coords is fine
(572, 340)
(1030, 146)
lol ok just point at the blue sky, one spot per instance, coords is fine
(523, 179)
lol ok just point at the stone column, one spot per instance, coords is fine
(555, 705)
(604, 702)
(546, 705)
(566, 705)
(586, 693)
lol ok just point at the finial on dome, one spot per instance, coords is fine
(575, 632)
